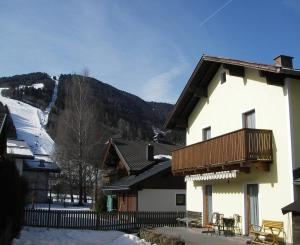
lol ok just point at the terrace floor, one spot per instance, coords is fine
(194, 236)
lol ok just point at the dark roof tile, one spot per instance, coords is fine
(134, 152)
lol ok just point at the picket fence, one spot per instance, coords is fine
(91, 220)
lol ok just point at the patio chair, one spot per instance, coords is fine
(220, 223)
(211, 226)
(237, 224)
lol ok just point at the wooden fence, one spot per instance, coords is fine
(91, 220)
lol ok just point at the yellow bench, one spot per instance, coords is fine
(269, 229)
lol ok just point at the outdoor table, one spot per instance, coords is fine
(228, 226)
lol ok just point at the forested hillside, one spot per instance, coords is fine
(119, 113)
(34, 88)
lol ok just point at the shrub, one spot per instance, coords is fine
(13, 189)
(152, 236)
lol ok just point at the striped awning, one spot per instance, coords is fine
(212, 176)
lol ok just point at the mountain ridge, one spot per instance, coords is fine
(119, 112)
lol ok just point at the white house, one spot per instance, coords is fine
(242, 122)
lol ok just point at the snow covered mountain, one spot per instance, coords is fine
(30, 123)
(40, 100)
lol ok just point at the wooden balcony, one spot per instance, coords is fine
(238, 150)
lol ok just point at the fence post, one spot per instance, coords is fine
(58, 220)
(98, 221)
(48, 218)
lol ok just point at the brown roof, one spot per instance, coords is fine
(196, 87)
(133, 153)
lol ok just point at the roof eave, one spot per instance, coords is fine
(272, 69)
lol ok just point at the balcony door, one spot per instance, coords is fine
(249, 119)
(206, 133)
(207, 204)
(252, 214)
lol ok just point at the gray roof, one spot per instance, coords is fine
(19, 149)
(127, 182)
(134, 152)
(41, 165)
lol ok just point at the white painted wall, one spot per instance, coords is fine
(222, 111)
(194, 199)
(159, 200)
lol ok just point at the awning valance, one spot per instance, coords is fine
(212, 176)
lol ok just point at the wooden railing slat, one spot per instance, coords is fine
(238, 146)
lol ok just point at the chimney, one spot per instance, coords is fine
(149, 152)
(284, 61)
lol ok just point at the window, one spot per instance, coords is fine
(223, 77)
(249, 119)
(180, 199)
(206, 133)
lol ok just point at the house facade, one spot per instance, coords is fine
(139, 177)
(242, 133)
(35, 168)
(155, 189)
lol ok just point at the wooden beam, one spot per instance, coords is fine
(210, 73)
(198, 91)
(181, 123)
(273, 78)
(264, 166)
(238, 71)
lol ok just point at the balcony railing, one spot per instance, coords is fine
(232, 149)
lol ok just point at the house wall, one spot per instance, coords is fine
(294, 90)
(296, 229)
(127, 202)
(222, 111)
(37, 186)
(159, 200)
(19, 165)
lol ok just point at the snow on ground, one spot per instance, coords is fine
(28, 125)
(44, 236)
(44, 115)
(59, 206)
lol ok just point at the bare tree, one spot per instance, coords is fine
(79, 137)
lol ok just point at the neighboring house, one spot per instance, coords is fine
(18, 150)
(243, 139)
(37, 172)
(35, 169)
(294, 210)
(138, 177)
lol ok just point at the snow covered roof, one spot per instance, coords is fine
(40, 165)
(44, 157)
(18, 148)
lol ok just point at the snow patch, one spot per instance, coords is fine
(161, 156)
(28, 125)
(43, 236)
(44, 115)
(35, 85)
(30, 121)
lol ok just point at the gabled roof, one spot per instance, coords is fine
(133, 153)
(18, 149)
(196, 87)
(126, 183)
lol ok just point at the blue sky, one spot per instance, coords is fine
(148, 48)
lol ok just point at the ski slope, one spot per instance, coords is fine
(29, 122)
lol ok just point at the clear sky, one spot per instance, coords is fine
(146, 47)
